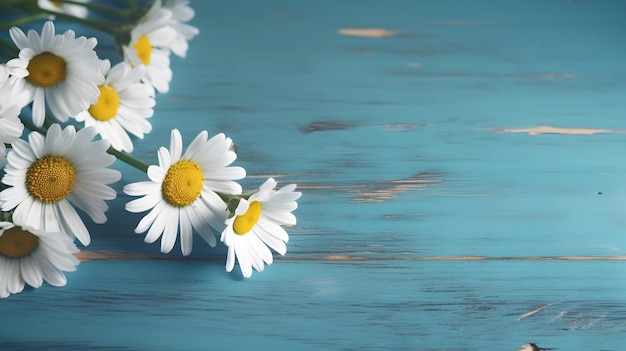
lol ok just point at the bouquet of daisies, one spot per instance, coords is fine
(66, 116)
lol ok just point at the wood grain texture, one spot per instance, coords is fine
(438, 211)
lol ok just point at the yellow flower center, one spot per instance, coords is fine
(56, 4)
(244, 223)
(50, 178)
(144, 49)
(182, 183)
(16, 243)
(46, 70)
(107, 105)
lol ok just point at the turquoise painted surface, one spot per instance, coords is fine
(411, 155)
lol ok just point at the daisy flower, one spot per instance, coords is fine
(4, 73)
(181, 193)
(10, 107)
(29, 256)
(123, 106)
(181, 13)
(47, 175)
(62, 7)
(61, 70)
(256, 225)
(149, 46)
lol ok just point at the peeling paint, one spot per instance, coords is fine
(533, 311)
(111, 255)
(557, 130)
(319, 126)
(379, 190)
(555, 76)
(368, 32)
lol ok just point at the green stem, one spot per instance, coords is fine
(129, 160)
(25, 19)
(9, 49)
(108, 27)
(131, 4)
(13, 5)
(30, 125)
(99, 8)
(6, 216)
(124, 157)
(232, 200)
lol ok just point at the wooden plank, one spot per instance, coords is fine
(462, 169)
(404, 305)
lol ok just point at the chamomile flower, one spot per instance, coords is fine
(149, 46)
(123, 106)
(47, 175)
(29, 256)
(181, 13)
(256, 226)
(174, 13)
(181, 192)
(62, 7)
(61, 71)
(4, 73)
(11, 127)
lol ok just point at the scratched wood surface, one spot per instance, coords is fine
(463, 171)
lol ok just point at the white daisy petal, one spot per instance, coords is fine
(169, 232)
(230, 259)
(18, 37)
(144, 203)
(147, 221)
(141, 188)
(50, 222)
(135, 102)
(156, 174)
(51, 275)
(49, 174)
(196, 145)
(52, 61)
(39, 107)
(3, 277)
(21, 148)
(261, 249)
(159, 223)
(21, 215)
(11, 197)
(16, 281)
(281, 217)
(212, 199)
(228, 187)
(243, 257)
(171, 14)
(72, 224)
(179, 199)
(58, 253)
(273, 229)
(176, 146)
(186, 235)
(165, 159)
(148, 46)
(31, 272)
(200, 224)
(271, 240)
(255, 259)
(256, 227)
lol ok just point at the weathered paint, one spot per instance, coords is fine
(430, 220)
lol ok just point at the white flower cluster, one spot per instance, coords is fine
(57, 87)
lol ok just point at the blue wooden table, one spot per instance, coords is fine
(463, 174)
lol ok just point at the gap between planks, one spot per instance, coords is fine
(107, 255)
